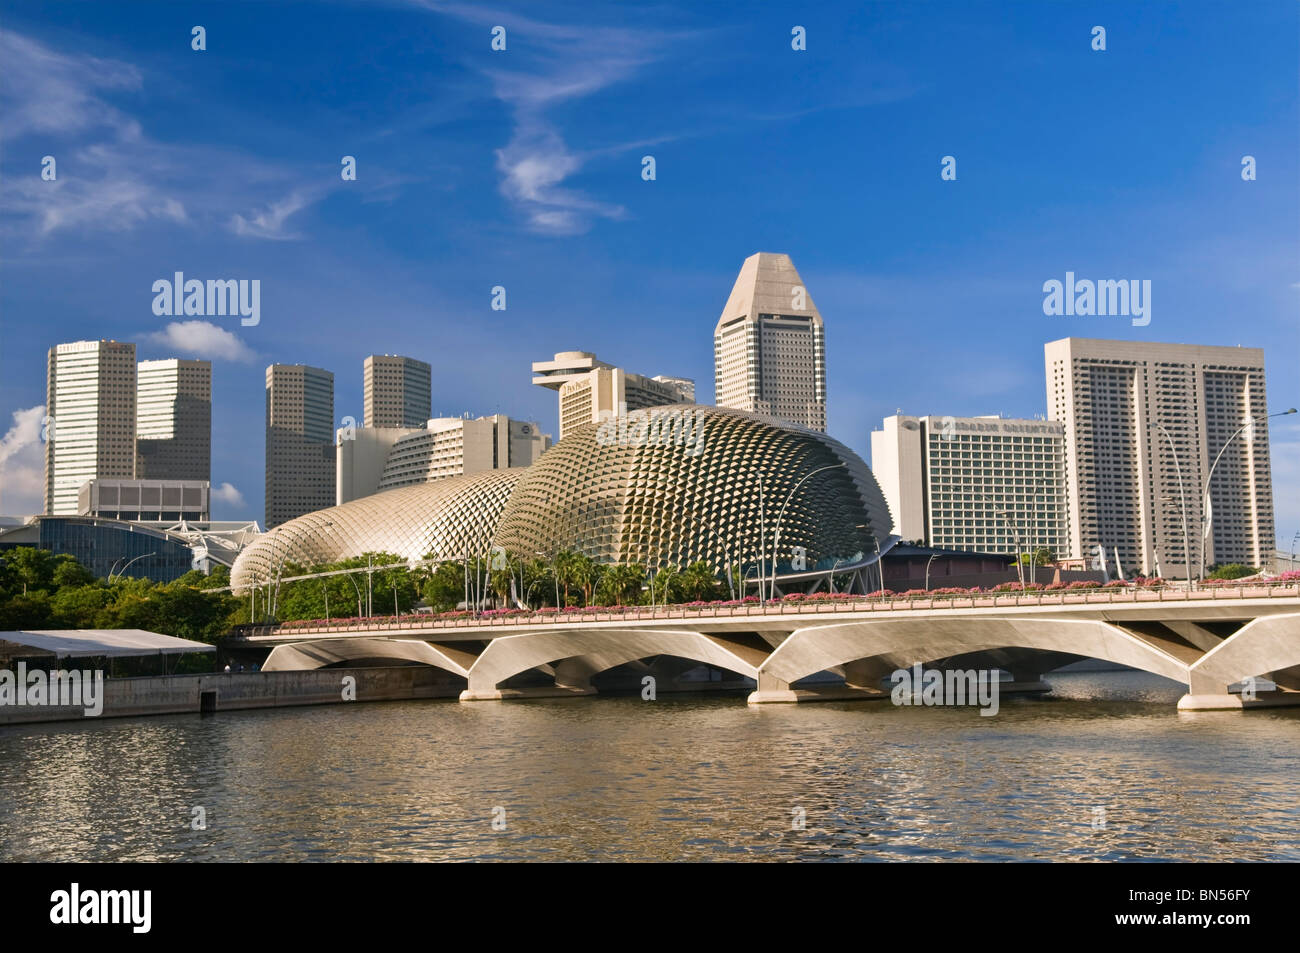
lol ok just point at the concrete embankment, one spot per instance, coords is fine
(173, 694)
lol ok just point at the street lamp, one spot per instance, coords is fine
(128, 565)
(1187, 550)
(1020, 565)
(933, 557)
(776, 533)
(1207, 516)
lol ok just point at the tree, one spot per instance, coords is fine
(69, 572)
(1231, 571)
(698, 582)
(445, 588)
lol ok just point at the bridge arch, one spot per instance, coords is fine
(817, 648)
(583, 653)
(300, 656)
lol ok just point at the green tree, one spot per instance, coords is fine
(445, 587)
(31, 610)
(698, 582)
(81, 607)
(1231, 571)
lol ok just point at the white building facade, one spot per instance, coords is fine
(985, 484)
(91, 410)
(1144, 423)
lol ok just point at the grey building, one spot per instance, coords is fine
(299, 441)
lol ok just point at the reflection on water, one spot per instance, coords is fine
(686, 777)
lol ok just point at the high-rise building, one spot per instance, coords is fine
(299, 441)
(398, 391)
(769, 347)
(90, 400)
(173, 420)
(1144, 424)
(372, 460)
(591, 389)
(988, 484)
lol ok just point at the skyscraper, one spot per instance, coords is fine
(1129, 480)
(299, 441)
(398, 391)
(90, 400)
(769, 348)
(173, 420)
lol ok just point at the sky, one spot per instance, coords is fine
(522, 168)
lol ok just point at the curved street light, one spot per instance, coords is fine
(128, 565)
(776, 532)
(1187, 549)
(1207, 515)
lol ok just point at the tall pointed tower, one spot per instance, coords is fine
(769, 348)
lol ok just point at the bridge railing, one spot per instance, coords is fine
(813, 606)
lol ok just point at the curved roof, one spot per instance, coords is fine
(674, 484)
(681, 483)
(446, 518)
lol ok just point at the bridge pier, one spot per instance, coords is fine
(1206, 693)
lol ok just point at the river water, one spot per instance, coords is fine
(1103, 769)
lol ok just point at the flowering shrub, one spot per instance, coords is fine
(1116, 584)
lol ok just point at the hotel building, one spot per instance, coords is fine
(987, 484)
(299, 441)
(1144, 423)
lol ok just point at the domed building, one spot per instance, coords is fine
(448, 518)
(674, 484)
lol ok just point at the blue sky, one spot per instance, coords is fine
(522, 168)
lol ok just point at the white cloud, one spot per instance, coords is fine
(203, 339)
(110, 175)
(559, 63)
(270, 222)
(22, 464)
(227, 493)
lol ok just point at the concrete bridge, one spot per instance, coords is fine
(1209, 639)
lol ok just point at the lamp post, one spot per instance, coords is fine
(324, 587)
(128, 565)
(776, 533)
(1187, 550)
(1207, 516)
(933, 557)
(1020, 565)
(1293, 539)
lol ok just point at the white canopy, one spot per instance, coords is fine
(81, 643)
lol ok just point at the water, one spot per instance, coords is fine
(682, 778)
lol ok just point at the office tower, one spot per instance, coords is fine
(372, 460)
(299, 441)
(986, 484)
(1129, 479)
(769, 348)
(173, 420)
(590, 389)
(90, 402)
(397, 391)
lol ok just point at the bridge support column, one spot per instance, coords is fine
(1205, 693)
(1024, 682)
(570, 683)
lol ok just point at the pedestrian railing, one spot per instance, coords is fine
(980, 600)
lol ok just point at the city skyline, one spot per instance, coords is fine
(943, 311)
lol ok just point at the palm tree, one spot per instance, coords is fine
(586, 574)
(698, 581)
(566, 569)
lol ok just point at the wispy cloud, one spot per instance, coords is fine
(559, 63)
(270, 222)
(203, 339)
(109, 175)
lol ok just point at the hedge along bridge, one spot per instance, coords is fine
(1209, 639)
